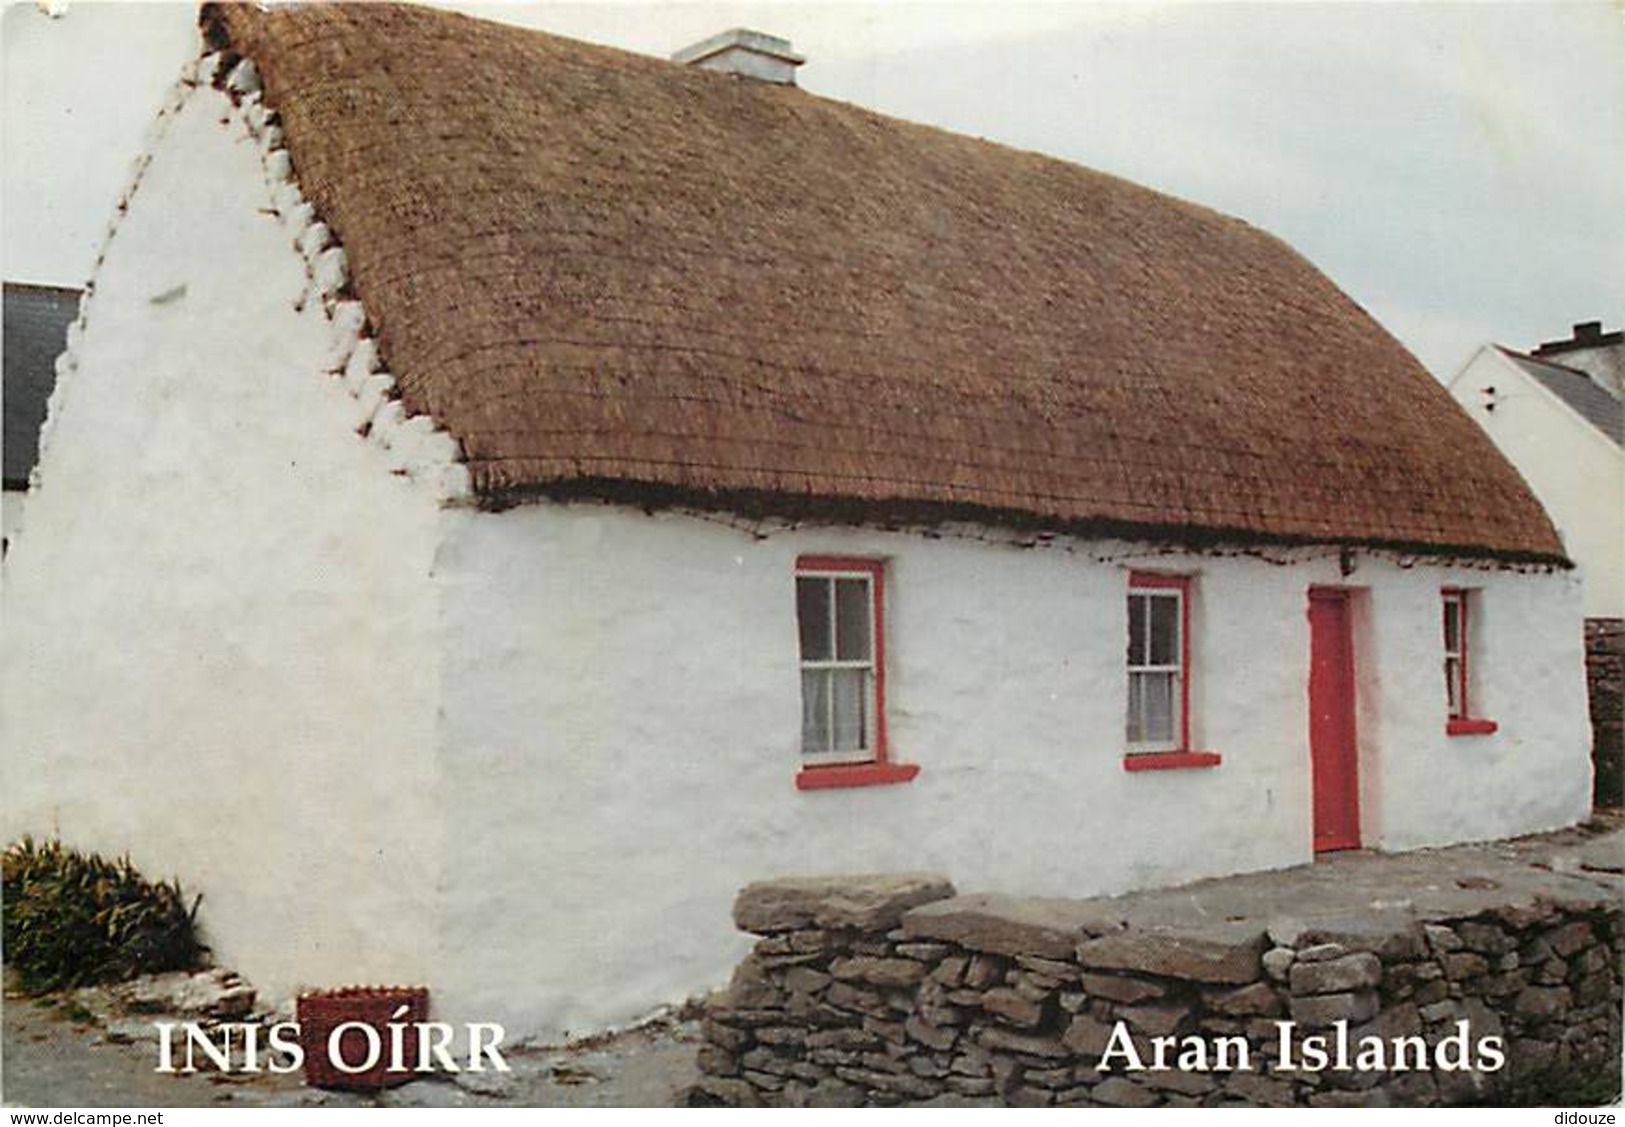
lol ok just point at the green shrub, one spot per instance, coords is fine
(72, 919)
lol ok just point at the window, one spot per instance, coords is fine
(840, 622)
(1159, 698)
(1458, 667)
(1455, 652)
(835, 610)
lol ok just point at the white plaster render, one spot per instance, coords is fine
(750, 64)
(417, 447)
(1527, 673)
(621, 726)
(12, 503)
(221, 635)
(1575, 471)
(749, 54)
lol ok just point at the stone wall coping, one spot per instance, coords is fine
(1013, 925)
(865, 902)
(1215, 951)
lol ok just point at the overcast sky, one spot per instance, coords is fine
(1458, 169)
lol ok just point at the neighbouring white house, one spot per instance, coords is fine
(1558, 414)
(504, 493)
(36, 320)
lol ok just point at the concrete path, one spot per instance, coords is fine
(1456, 881)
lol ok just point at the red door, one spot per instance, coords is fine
(1333, 750)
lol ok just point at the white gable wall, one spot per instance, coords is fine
(622, 722)
(219, 648)
(1575, 471)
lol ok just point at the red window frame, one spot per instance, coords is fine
(880, 769)
(1456, 597)
(1181, 755)
(1460, 721)
(1140, 581)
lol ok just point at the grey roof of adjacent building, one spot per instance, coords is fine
(1588, 337)
(1579, 391)
(36, 326)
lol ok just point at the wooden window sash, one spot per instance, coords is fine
(1177, 587)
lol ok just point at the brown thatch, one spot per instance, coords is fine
(608, 274)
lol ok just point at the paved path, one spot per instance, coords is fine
(1453, 881)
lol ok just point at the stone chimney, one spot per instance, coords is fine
(1599, 354)
(749, 54)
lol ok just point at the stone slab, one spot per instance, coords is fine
(1118, 988)
(1359, 971)
(1257, 999)
(1028, 1044)
(1012, 925)
(1221, 952)
(1318, 1010)
(1605, 854)
(1391, 936)
(861, 903)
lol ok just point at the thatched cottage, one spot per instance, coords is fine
(505, 493)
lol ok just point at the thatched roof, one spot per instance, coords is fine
(609, 275)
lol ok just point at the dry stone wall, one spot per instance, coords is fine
(893, 990)
(1605, 681)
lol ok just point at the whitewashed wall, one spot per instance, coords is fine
(1578, 474)
(1527, 658)
(12, 503)
(621, 727)
(219, 648)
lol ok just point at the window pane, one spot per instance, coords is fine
(1136, 629)
(1164, 630)
(1452, 684)
(1151, 708)
(1452, 625)
(1136, 709)
(1159, 707)
(812, 612)
(852, 619)
(851, 689)
(815, 710)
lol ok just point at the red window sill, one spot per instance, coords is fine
(1461, 727)
(1170, 760)
(855, 775)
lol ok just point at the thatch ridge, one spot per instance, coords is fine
(596, 267)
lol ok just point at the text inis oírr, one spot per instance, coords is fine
(246, 1047)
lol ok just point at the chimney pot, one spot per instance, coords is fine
(750, 54)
